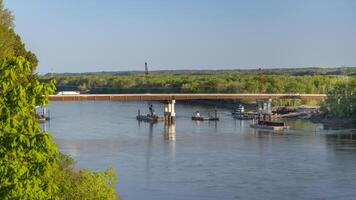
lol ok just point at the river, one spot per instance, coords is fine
(205, 160)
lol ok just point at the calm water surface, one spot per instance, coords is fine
(223, 160)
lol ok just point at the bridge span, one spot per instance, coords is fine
(168, 97)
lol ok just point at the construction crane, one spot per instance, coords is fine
(146, 69)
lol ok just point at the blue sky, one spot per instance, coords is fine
(117, 35)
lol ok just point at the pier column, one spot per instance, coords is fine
(169, 112)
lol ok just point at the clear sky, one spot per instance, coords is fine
(117, 35)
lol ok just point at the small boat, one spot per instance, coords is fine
(198, 117)
(151, 117)
(271, 125)
(240, 114)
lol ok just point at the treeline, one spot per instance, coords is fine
(345, 71)
(217, 83)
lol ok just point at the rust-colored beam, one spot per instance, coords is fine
(162, 97)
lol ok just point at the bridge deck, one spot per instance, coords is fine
(162, 97)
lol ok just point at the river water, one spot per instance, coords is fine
(206, 160)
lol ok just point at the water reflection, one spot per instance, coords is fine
(170, 137)
(265, 133)
(342, 141)
(45, 126)
(149, 151)
(198, 161)
(239, 124)
(170, 132)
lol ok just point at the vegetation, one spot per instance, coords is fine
(345, 71)
(213, 83)
(82, 184)
(10, 43)
(341, 100)
(26, 156)
(30, 165)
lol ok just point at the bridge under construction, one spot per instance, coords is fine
(170, 99)
(167, 97)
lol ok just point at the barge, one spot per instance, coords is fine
(198, 117)
(152, 117)
(271, 125)
(149, 118)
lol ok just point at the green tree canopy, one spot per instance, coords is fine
(10, 43)
(6, 17)
(341, 101)
(26, 153)
(30, 166)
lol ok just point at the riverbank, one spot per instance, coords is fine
(313, 114)
(333, 123)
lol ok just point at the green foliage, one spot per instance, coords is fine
(26, 153)
(29, 164)
(10, 43)
(341, 101)
(214, 83)
(6, 17)
(82, 184)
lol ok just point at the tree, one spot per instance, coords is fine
(27, 154)
(30, 165)
(341, 101)
(82, 184)
(10, 43)
(6, 17)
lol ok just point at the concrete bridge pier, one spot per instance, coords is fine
(169, 112)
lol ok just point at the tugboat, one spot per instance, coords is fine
(240, 114)
(198, 117)
(152, 117)
(264, 110)
(238, 110)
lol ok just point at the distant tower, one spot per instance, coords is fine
(262, 81)
(146, 69)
